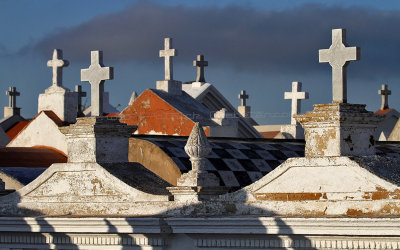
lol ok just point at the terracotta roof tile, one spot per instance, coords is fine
(113, 115)
(30, 157)
(270, 134)
(16, 128)
(383, 111)
(55, 118)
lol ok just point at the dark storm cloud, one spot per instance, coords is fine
(244, 38)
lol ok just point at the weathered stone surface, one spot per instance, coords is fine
(338, 56)
(243, 97)
(98, 139)
(86, 189)
(384, 92)
(243, 109)
(61, 101)
(200, 63)
(168, 53)
(197, 184)
(169, 85)
(12, 109)
(57, 63)
(292, 131)
(339, 129)
(96, 75)
(228, 122)
(296, 96)
(56, 98)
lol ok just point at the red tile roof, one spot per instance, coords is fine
(14, 130)
(30, 157)
(113, 115)
(55, 118)
(383, 111)
(270, 134)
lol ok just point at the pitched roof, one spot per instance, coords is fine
(188, 106)
(383, 111)
(14, 130)
(30, 157)
(210, 97)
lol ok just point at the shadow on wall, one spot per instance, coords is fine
(199, 234)
(32, 232)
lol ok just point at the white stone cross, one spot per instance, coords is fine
(200, 64)
(168, 53)
(12, 93)
(78, 89)
(57, 63)
(385, 93)
(338, 56)
(243, 96)
(96, 75)
(296, 97)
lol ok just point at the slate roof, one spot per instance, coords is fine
(238, 163)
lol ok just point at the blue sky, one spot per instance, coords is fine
(260, 46)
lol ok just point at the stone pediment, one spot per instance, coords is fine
(86, 188)
(329, 178)
(328, 186)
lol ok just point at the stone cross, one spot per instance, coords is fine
(338, 56)
(168, 53)
(12, 93)
(96, 75)
(296, 97)
(200, 64)
(78, 89)
(243, 96)
(57, 63)
(385, 93)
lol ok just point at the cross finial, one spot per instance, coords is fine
(78, 89)
(296, 97)
(243, 96)
(385, 94)
(96, 75)
(339, 56)
(168, 53)
(12, 99)
(57, 63)
(200, 64)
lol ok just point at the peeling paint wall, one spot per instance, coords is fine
(153, 115)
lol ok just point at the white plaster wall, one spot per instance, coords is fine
(63, 104)
(42, 131)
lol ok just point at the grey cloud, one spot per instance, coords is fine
(244, 38)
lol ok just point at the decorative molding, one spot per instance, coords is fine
(80, 239)
(327, 242)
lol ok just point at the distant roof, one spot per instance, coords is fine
(14, 130)
(214, 100)
(383, 111)
(270, 134)
(188, 106)
(30, 157)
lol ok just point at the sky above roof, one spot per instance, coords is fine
(259, 46)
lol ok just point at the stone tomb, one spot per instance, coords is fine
(57, 98)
